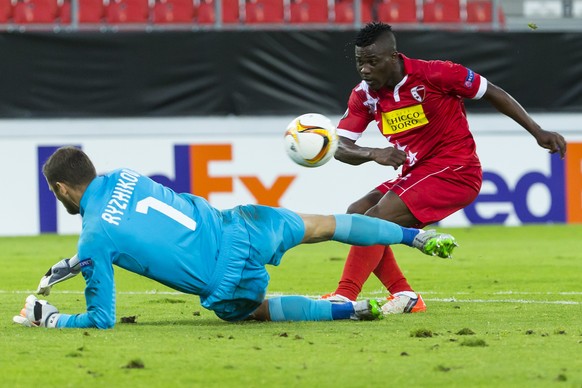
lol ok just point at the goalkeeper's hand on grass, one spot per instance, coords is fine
(37, 313)
(62, 270)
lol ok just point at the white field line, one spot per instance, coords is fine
(520, 301)
(383, 292)
(370, 294)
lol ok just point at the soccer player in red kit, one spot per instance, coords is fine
(418, 107)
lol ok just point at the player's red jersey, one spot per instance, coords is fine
(424, 115)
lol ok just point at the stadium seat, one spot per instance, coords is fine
(127, 11)
(543, 9)
(481, 11)
(441, 11)
(205, 12)
(264, 11)
(173, 11)
(396, 11)
(309, 11)
(89, 11)
(35, 11)
(5, 11)
(65, 11)
(344, 11)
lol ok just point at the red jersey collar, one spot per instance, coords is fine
(407, 63)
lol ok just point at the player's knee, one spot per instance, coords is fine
(361, 206)
(356, 208)
(262, 312)
(402, 217)
(378, 212)
(364, 204)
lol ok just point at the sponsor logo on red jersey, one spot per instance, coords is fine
(403, 119)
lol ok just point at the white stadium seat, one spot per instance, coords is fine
(542, 8)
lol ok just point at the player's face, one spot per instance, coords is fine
(377, 65)
(69, 205)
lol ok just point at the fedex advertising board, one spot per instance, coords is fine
(233, 161)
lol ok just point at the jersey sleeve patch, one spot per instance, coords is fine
(469, 78)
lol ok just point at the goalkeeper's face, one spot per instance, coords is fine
(65, 199)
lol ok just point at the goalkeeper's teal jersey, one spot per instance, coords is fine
(137, 224)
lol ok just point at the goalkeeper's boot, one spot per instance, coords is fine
(335, 298)
(435, 244)
(403, 304)
(366, 310)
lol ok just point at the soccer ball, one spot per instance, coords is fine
(311, 140)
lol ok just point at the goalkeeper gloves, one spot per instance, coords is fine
(37, 313)
(62, 270)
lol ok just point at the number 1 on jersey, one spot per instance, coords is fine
(165, 209)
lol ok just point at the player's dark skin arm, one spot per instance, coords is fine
(349, 152)
(504, 103)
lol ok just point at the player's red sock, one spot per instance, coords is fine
(390, 274)
(359, 265)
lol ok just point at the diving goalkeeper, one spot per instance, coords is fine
(184, 243)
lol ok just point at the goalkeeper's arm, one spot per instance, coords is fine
(63, 270)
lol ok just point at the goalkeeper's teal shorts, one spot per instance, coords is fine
(252, 237)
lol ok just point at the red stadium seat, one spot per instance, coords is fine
(264, 11)
(481, 11)
(206, 12)
(65, 12)
(5, 10)
(35, 11)
(127, 11)
(397, 11)
(89, 11)
(344, 11)
(441, 11)
(173, 11)
(309, 11)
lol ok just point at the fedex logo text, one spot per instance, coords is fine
(502, 199)
(563, 183)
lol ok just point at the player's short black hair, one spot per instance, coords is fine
(371, 32)
(69, 165)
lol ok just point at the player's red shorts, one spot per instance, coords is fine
(435, 192)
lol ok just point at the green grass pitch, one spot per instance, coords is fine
(505, 312)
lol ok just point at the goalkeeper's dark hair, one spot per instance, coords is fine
(69, 165)
(371, 32)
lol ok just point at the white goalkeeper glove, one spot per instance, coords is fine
(62, 270)
(37, 313)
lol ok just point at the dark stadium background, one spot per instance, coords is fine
(46, 74)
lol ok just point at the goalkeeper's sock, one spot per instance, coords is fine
(357, 229)
(300, 308)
